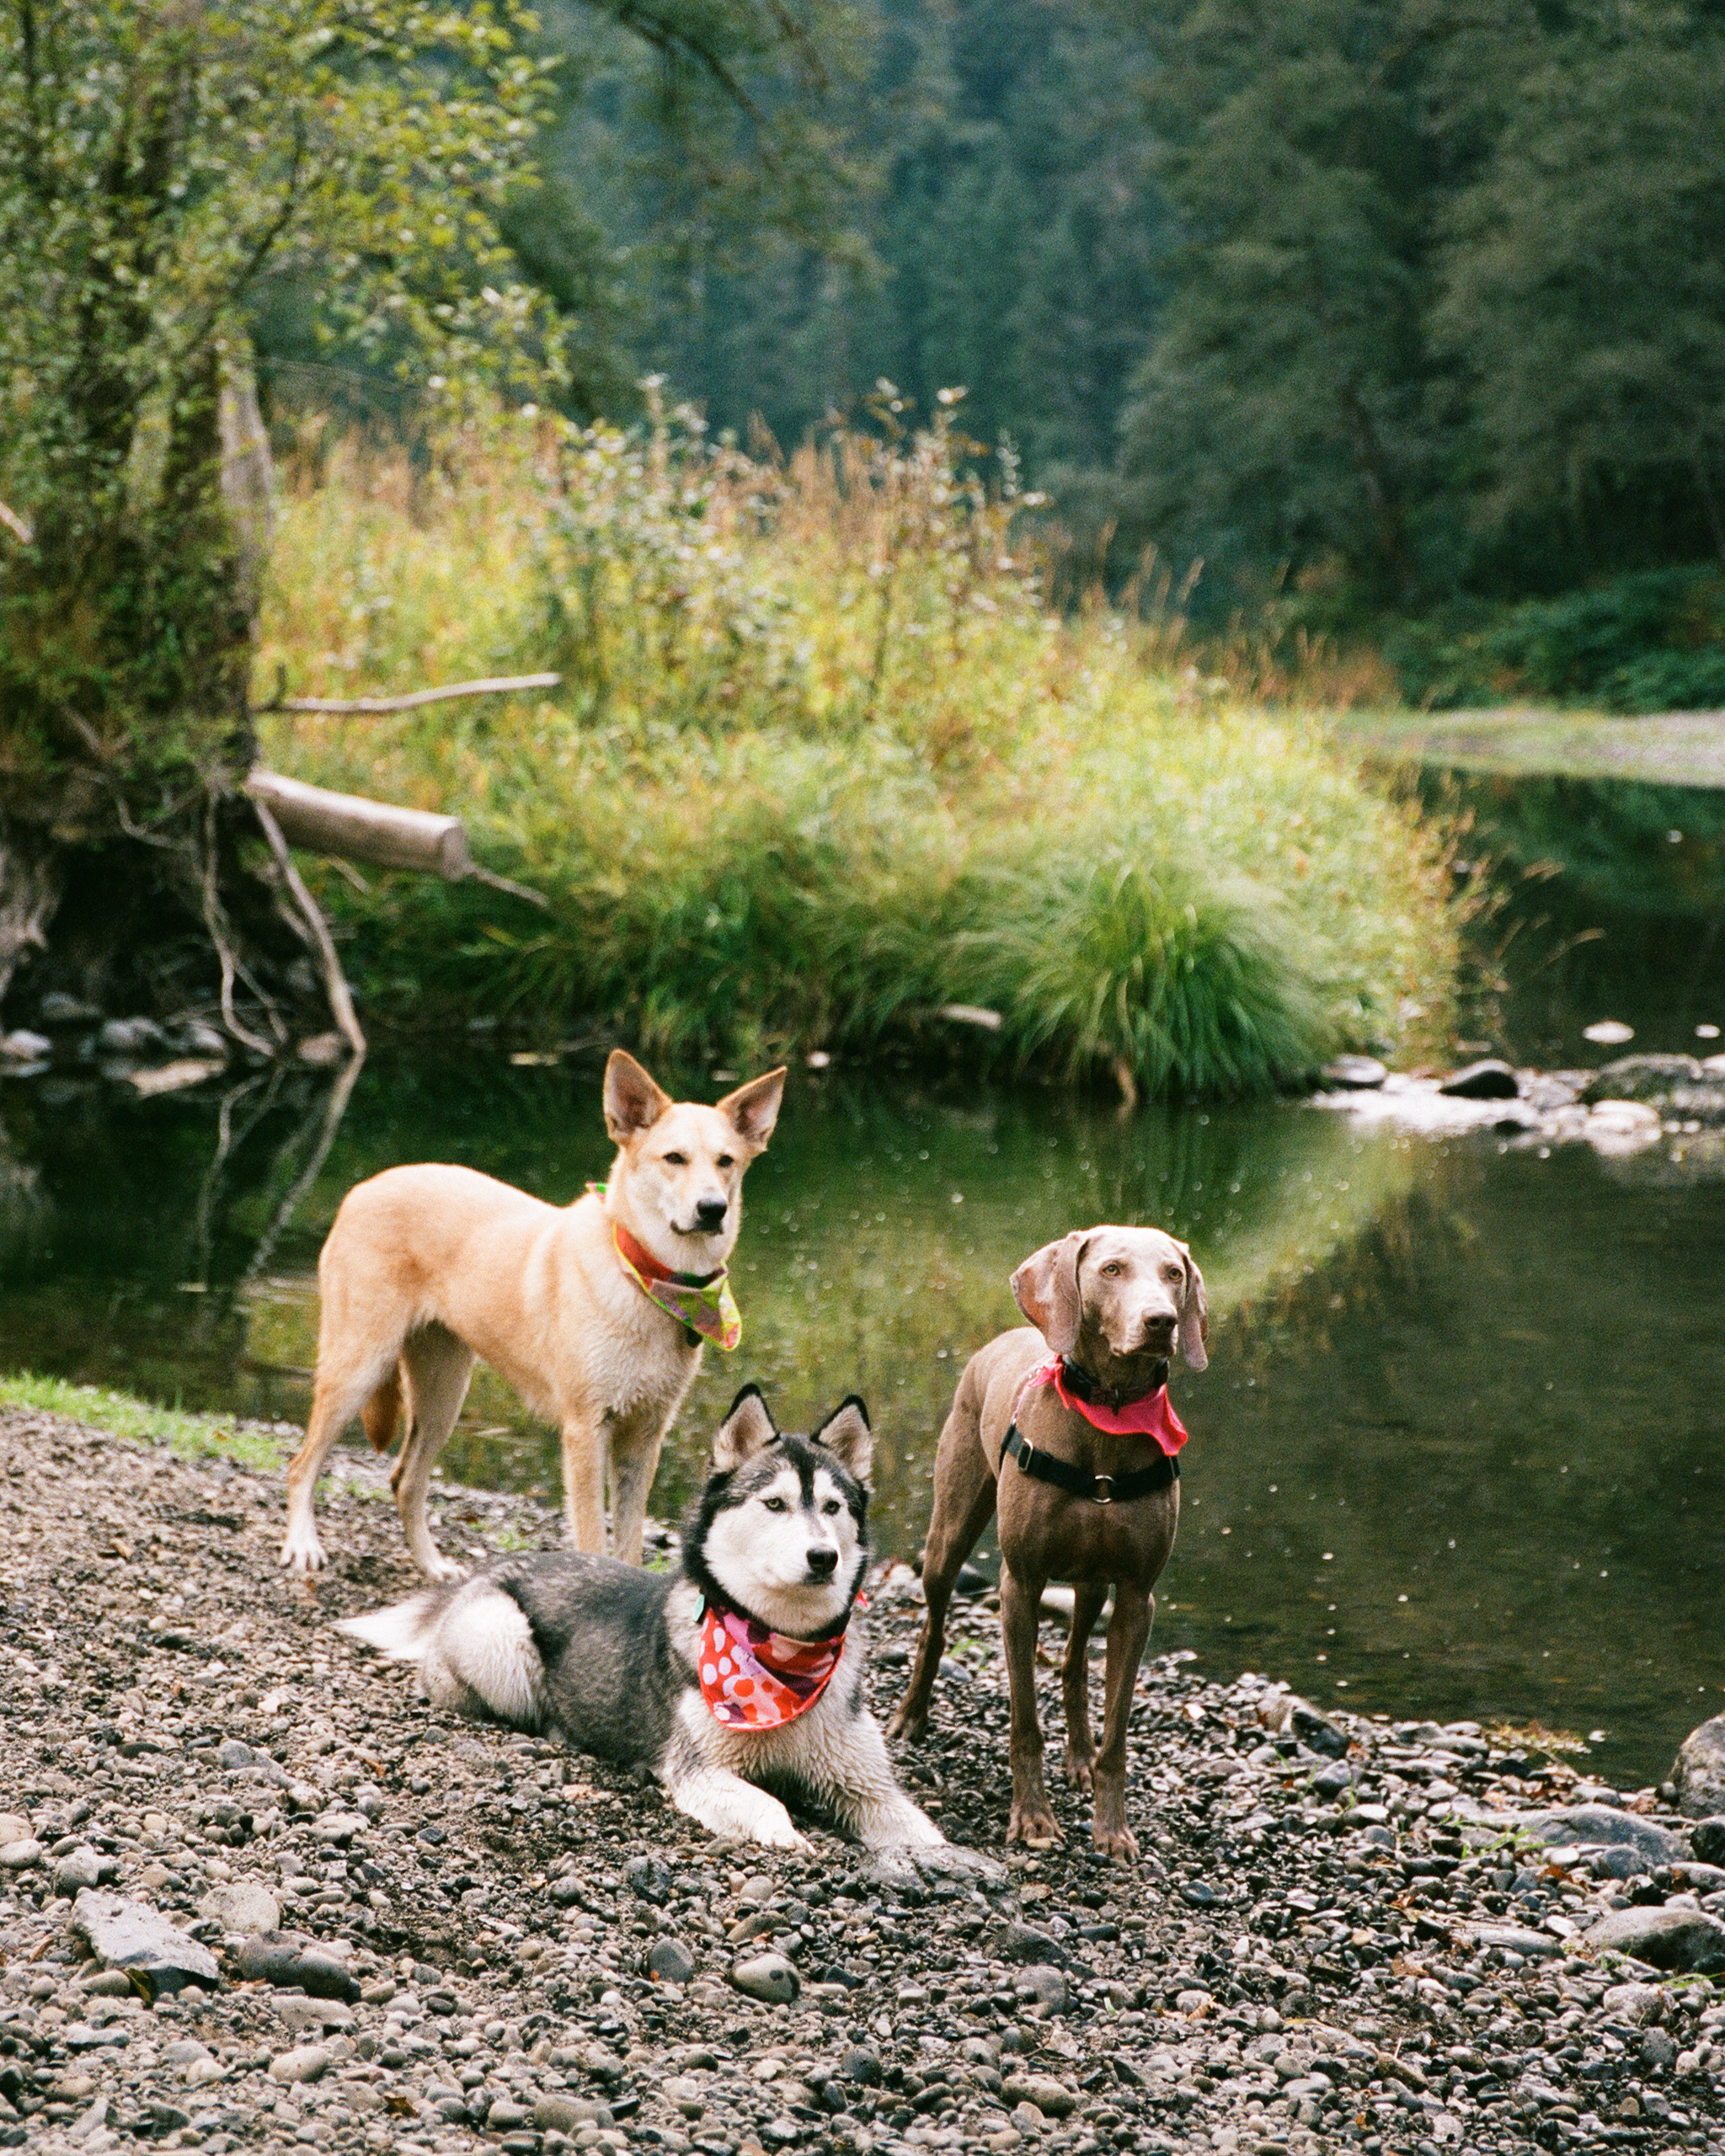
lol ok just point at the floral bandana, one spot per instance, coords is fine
(755, 1679)
(702, 1303)
(1152, 1416)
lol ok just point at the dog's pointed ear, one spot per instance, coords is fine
(633, 1101)
(846, 1435)
(1045, 1287)
(1195, 1315)
(753, 1109)
(746, 1429)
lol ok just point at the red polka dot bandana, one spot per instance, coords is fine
(752, 1678)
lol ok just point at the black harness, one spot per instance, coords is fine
(1100, 1489)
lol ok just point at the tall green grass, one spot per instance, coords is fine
(823, 764)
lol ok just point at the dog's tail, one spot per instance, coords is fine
(475, 1649)
(383, 1410)
(405, 1629)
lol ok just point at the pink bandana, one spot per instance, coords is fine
(752, 1678)
(1152, 1417)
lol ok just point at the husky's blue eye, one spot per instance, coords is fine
(775, 1504)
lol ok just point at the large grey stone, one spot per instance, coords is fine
(1601, 1826)
(1707, 1838)
(1488, 1080)
(1684, 1941)
(289, 1959)
(1023, 1943)
(77, 1868)
(305, 2062)
(768, 1977)
(132, 1936)
(1354, 1074)
(1699, 1771)
(1514, 1939)
(242, 1905)
(21, 1855)
(1052, 2098)
(669, 1962)
(1649, 1078)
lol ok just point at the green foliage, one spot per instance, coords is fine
(157, 164)
(1654, 641)
(191, 1437)
(825, 765)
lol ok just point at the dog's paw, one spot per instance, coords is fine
(905, 1727)
(949, 1862)
(437, 1566)
(1079, 1769)
(303, 1555)
(1119, 1842)
(1035, 1826)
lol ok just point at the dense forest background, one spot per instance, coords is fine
(1401, 310)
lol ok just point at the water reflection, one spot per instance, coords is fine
(1457, 1451)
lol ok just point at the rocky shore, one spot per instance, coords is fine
(254, 1894)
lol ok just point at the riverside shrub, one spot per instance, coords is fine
(824, 763)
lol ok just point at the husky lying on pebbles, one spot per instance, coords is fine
(746, 1668)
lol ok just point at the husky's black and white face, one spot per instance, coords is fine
(783, 1529)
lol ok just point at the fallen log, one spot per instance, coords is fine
(354, 829)
(495, 685)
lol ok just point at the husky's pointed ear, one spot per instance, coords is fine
(1195, 1315)
(746, 1428)
(753, 1109)
(846, 1435)
(632, 1101)
(1045, 1287)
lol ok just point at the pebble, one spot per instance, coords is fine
(242, 1905)
(1488, 1080)
(131, 1936)
(1366, 1964)
(305, 2062)
(1684, 1941)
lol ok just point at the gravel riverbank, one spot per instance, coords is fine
(1343, 1932)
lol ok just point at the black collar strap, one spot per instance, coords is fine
(1101, 1489)
(1082, 1387)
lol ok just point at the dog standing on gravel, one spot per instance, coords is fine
(745, 1667)
(595, 1312)
(1064, 1426)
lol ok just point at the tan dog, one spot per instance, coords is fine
(1096, 1509)
(427, 1269)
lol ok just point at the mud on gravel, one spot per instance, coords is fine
(1342, 1933)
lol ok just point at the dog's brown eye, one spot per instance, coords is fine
(726, 1161)
(1112, 1269)
(675, 1160)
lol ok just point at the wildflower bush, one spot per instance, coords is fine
(824, 763)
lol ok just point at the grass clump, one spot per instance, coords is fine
(825, 764)
(189, 1436)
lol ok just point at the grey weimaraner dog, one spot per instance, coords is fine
(1090, 1493)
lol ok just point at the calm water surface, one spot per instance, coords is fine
(1458, 1451)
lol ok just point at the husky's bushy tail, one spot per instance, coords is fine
(473, 1644)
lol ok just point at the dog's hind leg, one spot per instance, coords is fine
(345, 1384)
(1074, 1681)
(1128, 1636)
(438, 1368)
(964, 1505)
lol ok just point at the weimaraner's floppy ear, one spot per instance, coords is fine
(1045, 1287)
(753, 1109)
(632, 1101)
(745, 1430)
(1195, 1314)
(846, 1435)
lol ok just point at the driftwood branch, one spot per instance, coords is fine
(501, 685)
(16, 525)
(348, 827)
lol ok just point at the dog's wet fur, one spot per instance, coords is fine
(604, 1654)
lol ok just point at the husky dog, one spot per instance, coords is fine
(595, 1312)
(744, 1669)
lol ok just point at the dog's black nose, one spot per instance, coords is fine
(710, 1213)
(823, 1563)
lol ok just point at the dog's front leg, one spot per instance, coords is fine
(1127, 1634)
(586, 1439)
(725, 1804)
(867, 1799)
(1032, 1820)
(632, 1467)
(1075, 1682)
